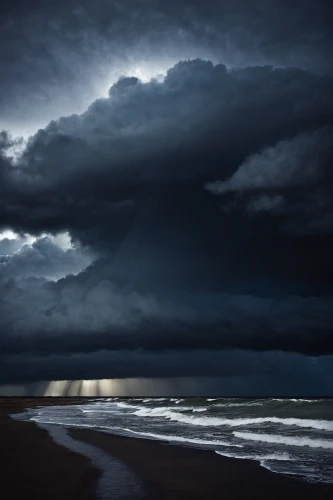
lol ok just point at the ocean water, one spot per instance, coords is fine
(286, 436)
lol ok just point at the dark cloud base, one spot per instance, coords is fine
(236, 372)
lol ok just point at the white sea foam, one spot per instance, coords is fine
(304, 400)
(275, 462)
(65, 424)
(270, 456)
(127, 405)
(296, 400)
(286, 440)
(87, 410)
(180, 439)
(223, 405)
(310, 473)
(165, 412)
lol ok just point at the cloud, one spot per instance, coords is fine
(187, 127)
(8, 246)
(227, 372)
(126, 178)
(174, 272)
(44, 258)
(264, 203)
(301, 161)
(88, 45)
(291, 178)
(87, 313)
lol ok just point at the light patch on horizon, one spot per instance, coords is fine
(93, 388)
(131, 387)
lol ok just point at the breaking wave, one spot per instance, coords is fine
(180, 439)
(286, 440)
(165, 412)
(271, 456)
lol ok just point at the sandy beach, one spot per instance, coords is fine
(34, 466)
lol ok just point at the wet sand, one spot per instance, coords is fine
(34, 466)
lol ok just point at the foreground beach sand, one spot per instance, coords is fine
(34, 466)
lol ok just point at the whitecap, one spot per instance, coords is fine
(180, 439)
(286, 440)
(165, 412)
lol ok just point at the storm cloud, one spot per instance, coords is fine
(145, 135)
(196, 204)
(43, 258)
(86, 317)
(209, 372)
(90, 43)
(292, 177)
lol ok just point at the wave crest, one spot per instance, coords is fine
(286, 440)
(165, 412)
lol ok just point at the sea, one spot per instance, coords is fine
(286, 436)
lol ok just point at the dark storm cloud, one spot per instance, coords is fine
(195, 124)
(310, 380)
(301, 161)
(293, 177)
(57, 57)
(86, 313)
(127, 176)
(241, 372)
(266, 203)
(176, 273)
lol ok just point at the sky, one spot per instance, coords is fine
(166, 193)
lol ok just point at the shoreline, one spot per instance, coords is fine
(167, 471)
(173, 471)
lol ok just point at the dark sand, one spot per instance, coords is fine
(33, 466)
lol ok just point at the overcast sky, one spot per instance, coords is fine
(166, 192)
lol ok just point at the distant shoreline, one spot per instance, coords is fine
(35, 464)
